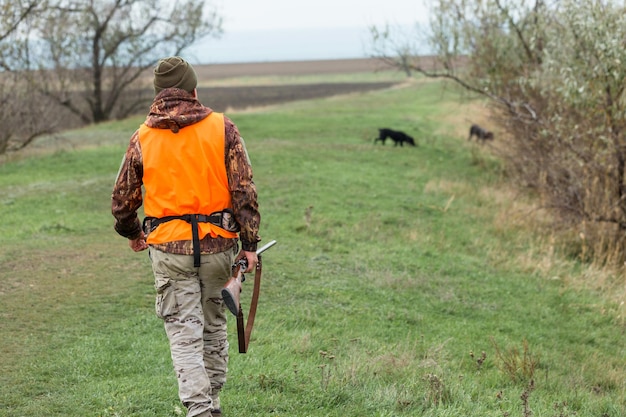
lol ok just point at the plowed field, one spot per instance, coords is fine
(222, 98)
(243, 97)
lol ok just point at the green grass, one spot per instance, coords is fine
(392, 275)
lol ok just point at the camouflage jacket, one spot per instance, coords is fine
(174, 109)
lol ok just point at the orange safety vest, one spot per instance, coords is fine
(185, 173)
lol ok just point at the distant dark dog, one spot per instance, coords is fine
(397, 136)
(481, 134)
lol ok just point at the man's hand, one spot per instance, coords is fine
(251, 257)
(139, 243)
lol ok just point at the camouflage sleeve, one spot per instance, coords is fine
(242, 189)
(126, 198)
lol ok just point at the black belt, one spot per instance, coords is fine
(223, 219)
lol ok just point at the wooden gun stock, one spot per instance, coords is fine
(232, 290)
(231, 293)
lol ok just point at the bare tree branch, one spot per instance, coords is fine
(113, 44)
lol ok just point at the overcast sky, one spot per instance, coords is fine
(287, 14)
(286, 30)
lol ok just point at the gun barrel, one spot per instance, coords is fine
(265, 247)
(243, 262)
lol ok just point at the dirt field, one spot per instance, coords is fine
(222, 99)
(243, 97)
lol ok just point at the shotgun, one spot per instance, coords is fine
(231, 295)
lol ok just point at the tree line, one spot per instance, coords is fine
(79, 61)
(553, 73)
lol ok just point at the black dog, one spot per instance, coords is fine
(481, 134)
(397, 136)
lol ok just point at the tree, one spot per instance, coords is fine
(22, 116)
(554, 74)
(13, 13)
(86, 54)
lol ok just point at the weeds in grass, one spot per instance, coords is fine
(268, 382)
(479, 361)
(326, 369)
(517, 366)
(437, 392)
(525, 397)
(499, 398)
(562, 408)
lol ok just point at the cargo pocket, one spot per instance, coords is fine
(166, 305)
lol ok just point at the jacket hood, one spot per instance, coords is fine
(175, 109)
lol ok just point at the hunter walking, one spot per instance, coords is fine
(200, 201)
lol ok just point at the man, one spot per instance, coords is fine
(199, 200)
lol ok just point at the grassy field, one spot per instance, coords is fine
(403, 282)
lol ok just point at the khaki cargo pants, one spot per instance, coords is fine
(189, 301)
